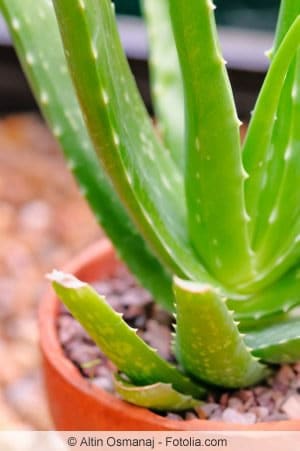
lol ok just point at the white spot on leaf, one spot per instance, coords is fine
(82, 5)
(105, 97)
(29, 59)
(94, 51)
(211, 5)
(165, 182)
(116, 138)
(288, 154)
(15, 24)
(57, 131)
(44, 98)
(273, 216)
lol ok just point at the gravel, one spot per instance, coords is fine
(276, 399)
(43, 223)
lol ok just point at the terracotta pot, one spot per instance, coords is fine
(74, 402)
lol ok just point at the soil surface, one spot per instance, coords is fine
(277, 399)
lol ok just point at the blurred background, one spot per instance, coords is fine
(246, 32)
(246, 13)
(44, 221)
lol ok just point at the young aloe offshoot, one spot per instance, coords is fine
(221, 217)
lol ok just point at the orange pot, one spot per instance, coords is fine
(74, 402)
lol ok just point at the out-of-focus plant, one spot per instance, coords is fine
(194, 204)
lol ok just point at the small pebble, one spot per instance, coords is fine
(236, 404)
(190, 416)
(297, 367)
(224, 399)
(35, 215)
(208, 409)
(285, 375)
(260, 412)
(292, 407)
(232, 416)
(104, 287)
(246, 395)
(159, 337)
(69, 329)
(174, 416)
(104, 383)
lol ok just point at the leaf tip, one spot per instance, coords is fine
(65, 280)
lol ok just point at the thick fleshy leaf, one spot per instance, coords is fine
(142, 171)
(116, 339)
(252, 324)
(257, 154)
(278, 298)
(214, 171)
(166, 80)
(260, 130)
(208, 343)
(40, 50)
(268, 213)
(158, 396)
(275, 162)
(289, 11)
(281, 241)
(279, 343)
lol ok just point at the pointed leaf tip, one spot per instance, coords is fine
(159, 396)
(65, 280)
(191, 286)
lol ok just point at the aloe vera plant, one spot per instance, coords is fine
(207, 223)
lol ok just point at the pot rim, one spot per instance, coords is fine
(90, 259)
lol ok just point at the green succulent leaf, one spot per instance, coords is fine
(208, 343)
(258, 151)
(279, 343)
(230, 226)
(166, 80)
(161, 397)
(289, 11)
(251, 324)
(117, 340)
(280, 244)
(278, 298)
(142, 171)
(261, 126)
(214, 171)
(276, 174)
(275, 162)
(45, 66)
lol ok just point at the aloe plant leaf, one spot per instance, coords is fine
(117, 340)
(278, 298)
(289, 10)
(257, 144)
(142, 171)
(279, 343)
(208, 343)
(166, 79)
(283, 230)
(252, 324)
(214, 171)
(161, 397)
(56, 96)
(275, 162)
(276, 173)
